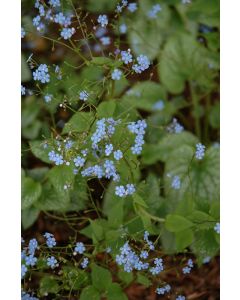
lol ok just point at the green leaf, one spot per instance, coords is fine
(90, 292)
(142, 279)
(25, 71)
(38, 150)
(106, 109)
(75, 278)
(183, 59)
(101, 278)
(214, 116)
(176, 223)
(184, 239)
(167, 145)
(115, 292)
(201, 219)
(48, 285)
(79, 122)
(31, 191)
(138, 200)
(199, 179)
(125, 277)
(101, 6)
(29, 216)
(105, 61)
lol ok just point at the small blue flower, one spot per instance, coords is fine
(23, 90)
(176, 183)
(85, 262)
(117, 154)
(186, 270)
(83, 95)
(23, 33)
(52, 262)
(132, 7)
(79, 161)
(123, 28)
(54, 3)
(163, 290)
(50, 240)
(80, 248)
(120, 191)
(217, 228)
(206, 259)
(48, 98)
(181, 297)
(130, 189)
(143, 64)
(175, 127)
(103, 20)
(41, 10)
(116, 74)
(108, 250)
(105, 40)
(23, 271)
(30, 260)
(154, 10)
(32, 246)
(159, 105)
(144, 254)
(200, 151)
(41, 74)
(126, 56)
(67, 33)
(190, 263)
(108, 149)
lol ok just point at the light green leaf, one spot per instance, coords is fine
(31, 191)
(184, 239)
(115, 292)
(29, 216)
(25, 71)
(38, 150)
(101, 278)
(48, 285)
(79, 122)
(106, 109)
(90, 292)
(177, 223)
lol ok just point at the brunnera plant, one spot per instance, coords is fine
(120, 117)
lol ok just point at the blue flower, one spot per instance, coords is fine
(41, 10)
(120, 191)
(200, 151)
(132, 7)
(103, 20)
(30, 260)
(79, 161)
(23, 271)
(23, 90)
(144, 254)
(85, 262)
(143, 64)
(54, 3)
(108, 149)
(80, 248)
(190, 263)
(163, 290)
(181, 297)
(36, 21)
(41, 74)
(52, 262)
(32, 246)
(50, 240)
(48, 98)
(117, 154)
(116, 74)
(23, 33)
(176, 183)
(154, 10)
(175, 127)
(67, 33)
(25, 296)
(186, 270)
(206, 259)
(217, 228)
(105, 40)
(126, 56)
(123, 28)
(108, 250)
(83, 95)
(159, 105)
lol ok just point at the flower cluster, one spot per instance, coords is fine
(26, 296)
(103, 20)
(121, 5)
(146, 239)
(139, 129)
(200, 151)
(41, 74)
(50, 240)
(188, 268)
(163, 290)
(152, 14)
(175, 127)
(122, 191)
(142, 65)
